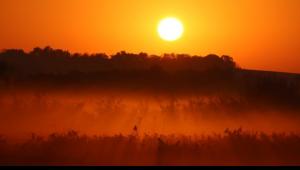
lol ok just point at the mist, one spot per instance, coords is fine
(205, 110)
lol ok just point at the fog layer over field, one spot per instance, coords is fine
(97, 112)
(140, 109)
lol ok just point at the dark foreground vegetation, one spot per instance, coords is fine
(234, 147)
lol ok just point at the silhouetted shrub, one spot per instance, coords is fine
(235, 147)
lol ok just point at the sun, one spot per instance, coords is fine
(170, 29)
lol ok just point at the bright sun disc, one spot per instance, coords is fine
(170, 29)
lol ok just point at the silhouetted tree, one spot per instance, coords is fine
(3, 68)
(37, 52)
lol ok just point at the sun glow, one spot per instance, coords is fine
(170, 29)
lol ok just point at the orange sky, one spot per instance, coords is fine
(259, 34)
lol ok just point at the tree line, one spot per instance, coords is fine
(56, 61)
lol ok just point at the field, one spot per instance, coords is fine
(133, 109)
